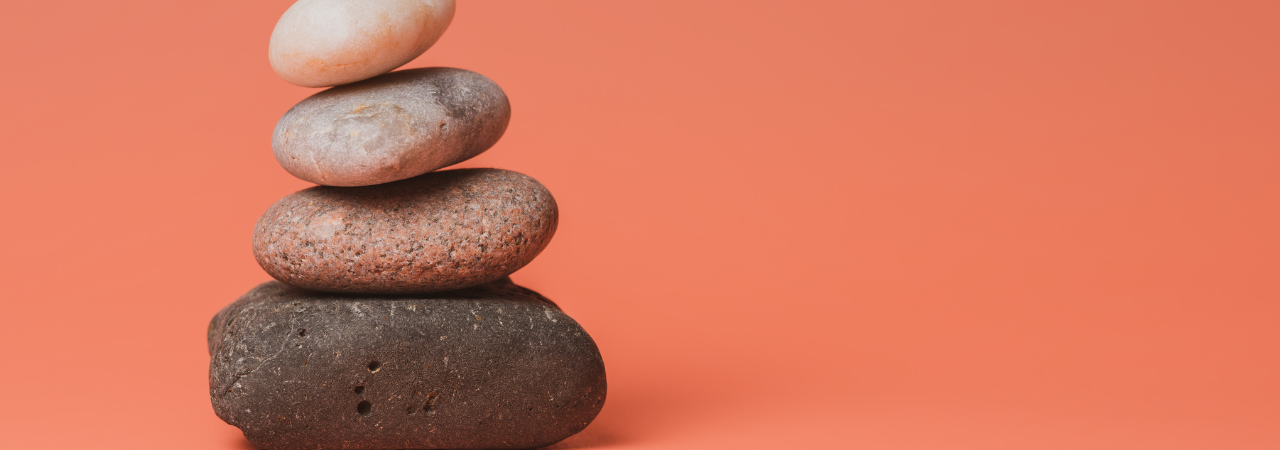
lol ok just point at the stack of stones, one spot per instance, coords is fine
(393, 323)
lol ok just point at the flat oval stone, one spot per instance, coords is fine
(330, 42)
(440, 231)
(396, 126)
(496, 366)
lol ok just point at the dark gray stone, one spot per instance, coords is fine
(494, 366)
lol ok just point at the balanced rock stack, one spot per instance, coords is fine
(393, 323)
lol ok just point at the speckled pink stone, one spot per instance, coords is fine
(440, 231)
(330, 42)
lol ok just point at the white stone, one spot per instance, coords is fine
(331, 42)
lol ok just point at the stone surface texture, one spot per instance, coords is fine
(440, 231)
(331, 42)
(495, 366)
(396, 126)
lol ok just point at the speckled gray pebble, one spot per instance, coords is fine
(440, 231)
(495, 366)
(391, 127)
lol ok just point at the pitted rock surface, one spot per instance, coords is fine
(440, 231)
(391, 127)
(495, 366)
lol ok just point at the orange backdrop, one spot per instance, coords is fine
(839, 224)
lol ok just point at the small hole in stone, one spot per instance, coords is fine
(374, 366)
(359, 390)
(410, 409)
(302, 332)
(430, 407)
(365, 408)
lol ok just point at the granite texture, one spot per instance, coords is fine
(440, 231)
(396, 126)
(330, 42)
(495, 366)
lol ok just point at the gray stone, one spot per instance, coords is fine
(495, 366)
(391, 127)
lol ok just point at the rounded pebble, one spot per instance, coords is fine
(443, 230)
(392, 127)
(331, 42)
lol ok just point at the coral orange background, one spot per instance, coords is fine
(840, 224)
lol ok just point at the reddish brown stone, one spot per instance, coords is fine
(439, 231)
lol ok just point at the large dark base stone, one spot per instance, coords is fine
(495, 366)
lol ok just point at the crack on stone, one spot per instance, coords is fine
(284, 342)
